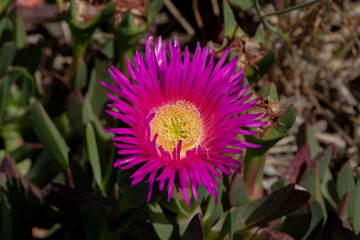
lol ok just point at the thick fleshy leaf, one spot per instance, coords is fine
(356, 220)
(25, 89)
(43, 163)
(153, 8)
(342, 205)
(27, 150)
(259, 35)
(266, 62)
(133, 195)
(194, 230)
(7, 54)
(328, 189)
(324, 159)
(269, 90)
(214, 210)
(277, 204)
(274, 133)
(163, 228)
(174, 206)
(81, 75)
(238, 193)
(74, 103)
(261, 66)
(88, 115)
(25, 83)
(93, 153)
(310, 180)
(317, 220)
(4, 90)
(4, 6)
(279, 184)
(297, 223)
(306, 134)
(231, 28)
(344, 183)
(20, 36)
(300, 161)
(97, 98)
(49, 135)
(242, 4)
(227, 230)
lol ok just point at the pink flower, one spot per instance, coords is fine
(182, 116)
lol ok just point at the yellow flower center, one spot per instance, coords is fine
(175, 122)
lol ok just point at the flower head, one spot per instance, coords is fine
(183, 118)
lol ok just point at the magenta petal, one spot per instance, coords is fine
(163, 77)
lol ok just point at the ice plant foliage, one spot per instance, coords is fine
(183, 118)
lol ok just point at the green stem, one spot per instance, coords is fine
(79, 49)
(253, 173)
(272, 28)
(292, 8)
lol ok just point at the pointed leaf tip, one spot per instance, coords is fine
(194, 230)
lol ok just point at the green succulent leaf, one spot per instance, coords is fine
(297, 223)
(27, 150)
(266, 62)
(7, 54)
(88, 115)
(174, 206)
(306, 134)
(269, 90)
(4, 4)
(194, 230)
(214, 210)
(49, 135)
(97, 98)
(275, 132)
(238, 193)
(43, 163)
(163, 228)
(324, 160)
(133, 195)
(244, 5)
(310, 180)
(73, 106)
(275, 205)
(227, 230)
(232, 29)
(317, 220)
(153, 8)
(259, 35)
(356, 220)
(344, 183)
(93, 153)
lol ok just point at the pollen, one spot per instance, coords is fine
(177, 121)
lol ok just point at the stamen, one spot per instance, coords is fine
(175, 122)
